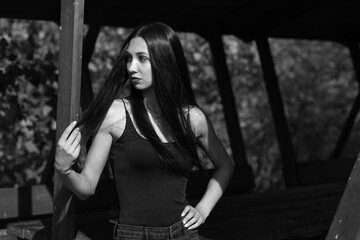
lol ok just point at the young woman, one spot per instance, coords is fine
(150, 137)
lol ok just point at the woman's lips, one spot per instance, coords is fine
(135, 79)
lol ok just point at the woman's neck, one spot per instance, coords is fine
(150, 102)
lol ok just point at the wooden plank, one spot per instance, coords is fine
(346, 223)
(345, 133)
(68, 104)
(5, 236)
(25, 201)
(278, 113)
(227, 99)
(321, 172)
(90, 225)
(37, 200)
(37, 229)
(286, 214)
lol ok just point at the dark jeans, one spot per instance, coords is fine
(177, 231)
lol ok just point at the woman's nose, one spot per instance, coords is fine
(132, 67)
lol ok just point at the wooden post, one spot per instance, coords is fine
(68, 103)
(278, 113)
(346, 223)
(227, 99)
(355, 56)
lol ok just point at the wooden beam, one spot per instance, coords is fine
(284, 214)
(25, 202)
(93, 32)
(95, 24)
(346, 223)
(68, 106)
(227, 98)
(278, 113)
(32, 201)
(355, 56)
(297, 213)
(255, 19)
(345, 133)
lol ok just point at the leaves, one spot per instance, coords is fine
(28, 88)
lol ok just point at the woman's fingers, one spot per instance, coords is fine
(69, 141)
(187, 214)
(186, 210)
(73, 145)
(191, 221)
(192, 218)
(196, 223)
(66, 132)
(77, 150)
(68, 149)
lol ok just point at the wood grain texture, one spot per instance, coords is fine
(345, 225)
(227, 98)
(68, 106)
(25, 201)
(278, 113)
(287, 214)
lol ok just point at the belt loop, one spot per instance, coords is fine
(172, 229)
(171, 233)
(114, 231)
(146, 233)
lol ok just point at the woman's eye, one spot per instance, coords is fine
(142, 59)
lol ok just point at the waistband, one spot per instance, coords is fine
(141, 232)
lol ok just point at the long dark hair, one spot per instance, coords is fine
(172, 89)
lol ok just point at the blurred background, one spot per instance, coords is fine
(316, 78)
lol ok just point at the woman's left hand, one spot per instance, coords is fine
(192, 217)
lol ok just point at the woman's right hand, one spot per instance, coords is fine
(67, 149)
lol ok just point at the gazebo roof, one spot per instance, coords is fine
(335, 20)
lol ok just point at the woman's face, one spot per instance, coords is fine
(138, 64)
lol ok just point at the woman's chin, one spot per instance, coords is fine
(141, 87)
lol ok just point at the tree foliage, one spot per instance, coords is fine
(318, 86)
(28, 73)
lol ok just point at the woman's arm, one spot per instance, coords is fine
(222, 162)
(83, 184)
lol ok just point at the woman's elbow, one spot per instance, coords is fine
(84, 196)
(226, 167)
(230, 165)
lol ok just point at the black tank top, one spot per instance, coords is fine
(149, 194)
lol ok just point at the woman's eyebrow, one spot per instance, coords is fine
(139, 53)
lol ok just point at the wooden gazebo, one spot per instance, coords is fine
(332, 20)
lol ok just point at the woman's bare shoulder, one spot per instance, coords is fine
(198, 119)
(196, 114)
(114, 121)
